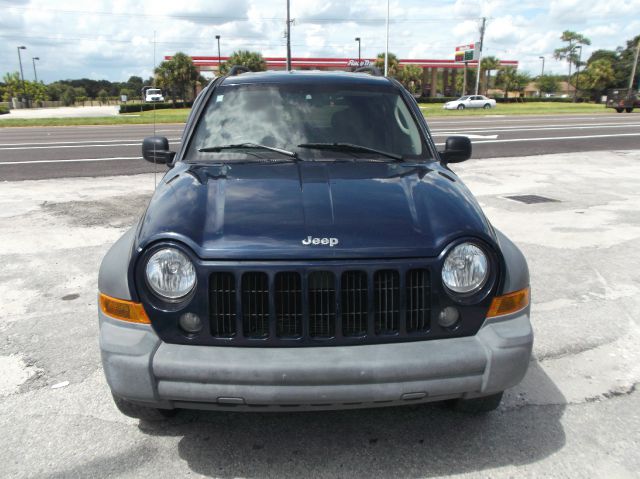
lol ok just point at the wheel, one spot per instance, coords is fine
(486, 106)
(619, 110)
(142, 412)
(478, 405)
(460, 107)
(628, 110)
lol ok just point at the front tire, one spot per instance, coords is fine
(145, 413)
(628, 110)
(619, 110)
(478, 405)
(460, 107)
(486, 106)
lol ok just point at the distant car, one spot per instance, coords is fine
(153, 95)
(470, 101)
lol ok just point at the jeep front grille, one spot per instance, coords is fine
(290, 307)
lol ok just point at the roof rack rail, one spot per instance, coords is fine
(375, 71)
(238, 69)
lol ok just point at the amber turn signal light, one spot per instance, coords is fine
(123, 310)
(509, 303)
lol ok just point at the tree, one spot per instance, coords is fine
(103, 97)
(411, 78)
(68, 96)
(506, 79)
(178, 76)
(547, 84)
(597, 77)
(134, 84)
(252, 60)
(487, 65)
(521, 80)
(12, 86)
(393, 66)
(568, 52)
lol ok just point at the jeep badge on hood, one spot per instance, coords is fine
(330, 241)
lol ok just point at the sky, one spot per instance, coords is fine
(114, 39)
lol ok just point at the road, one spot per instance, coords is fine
(39, 153)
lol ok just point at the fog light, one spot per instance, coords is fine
(448, 317)
(190, 323)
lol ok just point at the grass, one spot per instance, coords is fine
(179, 115)
(529, 108)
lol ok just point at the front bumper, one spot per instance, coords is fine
(141, 368)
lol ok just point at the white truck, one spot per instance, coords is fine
(150, 94)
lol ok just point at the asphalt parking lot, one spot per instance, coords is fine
(576, 414)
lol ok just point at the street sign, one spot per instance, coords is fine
(467, 53)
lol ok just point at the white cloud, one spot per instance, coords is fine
(113, 39)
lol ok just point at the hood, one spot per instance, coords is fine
(309, 210)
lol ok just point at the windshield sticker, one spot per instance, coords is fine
(219, 98)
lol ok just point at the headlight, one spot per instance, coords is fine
(170, 274)
(465, 269)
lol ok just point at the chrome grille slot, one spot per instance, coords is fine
(386, 300)
(255, 305)
(418, 301)
(354, 303)
(222, 301)
(288, 303)
(322, 304)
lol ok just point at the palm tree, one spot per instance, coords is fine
(569, 52)
(252, 60)
(393, 66)
(411, 78)
(506, 79)
(488, 64)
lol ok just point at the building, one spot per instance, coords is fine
(438, 77)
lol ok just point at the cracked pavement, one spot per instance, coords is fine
(576, 414)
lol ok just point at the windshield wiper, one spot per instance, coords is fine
(349, 147)
(253, 146)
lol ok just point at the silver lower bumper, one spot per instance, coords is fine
(141, 368)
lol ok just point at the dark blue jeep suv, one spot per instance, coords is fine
(309, 248)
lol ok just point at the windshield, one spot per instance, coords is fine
(287, 116)
(154, 92)
(463, 98)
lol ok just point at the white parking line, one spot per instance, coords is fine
(82, 160)
(542, 128)
(73, 146)
(515, 140)
(80, 143)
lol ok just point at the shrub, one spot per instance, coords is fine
(135, 108)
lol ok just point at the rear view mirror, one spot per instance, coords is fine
(155, 149)
(456, 150)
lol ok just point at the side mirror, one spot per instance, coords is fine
(456, 150)
(155, 149)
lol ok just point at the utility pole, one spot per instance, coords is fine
(24, 90)
(358, 40)
(218, 38)
(386, 49)
(542, 72)
(288, 36)
(464, 80)
(633, 70)
(484, 21)
(35, 73)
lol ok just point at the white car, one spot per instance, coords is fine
(470, 101)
